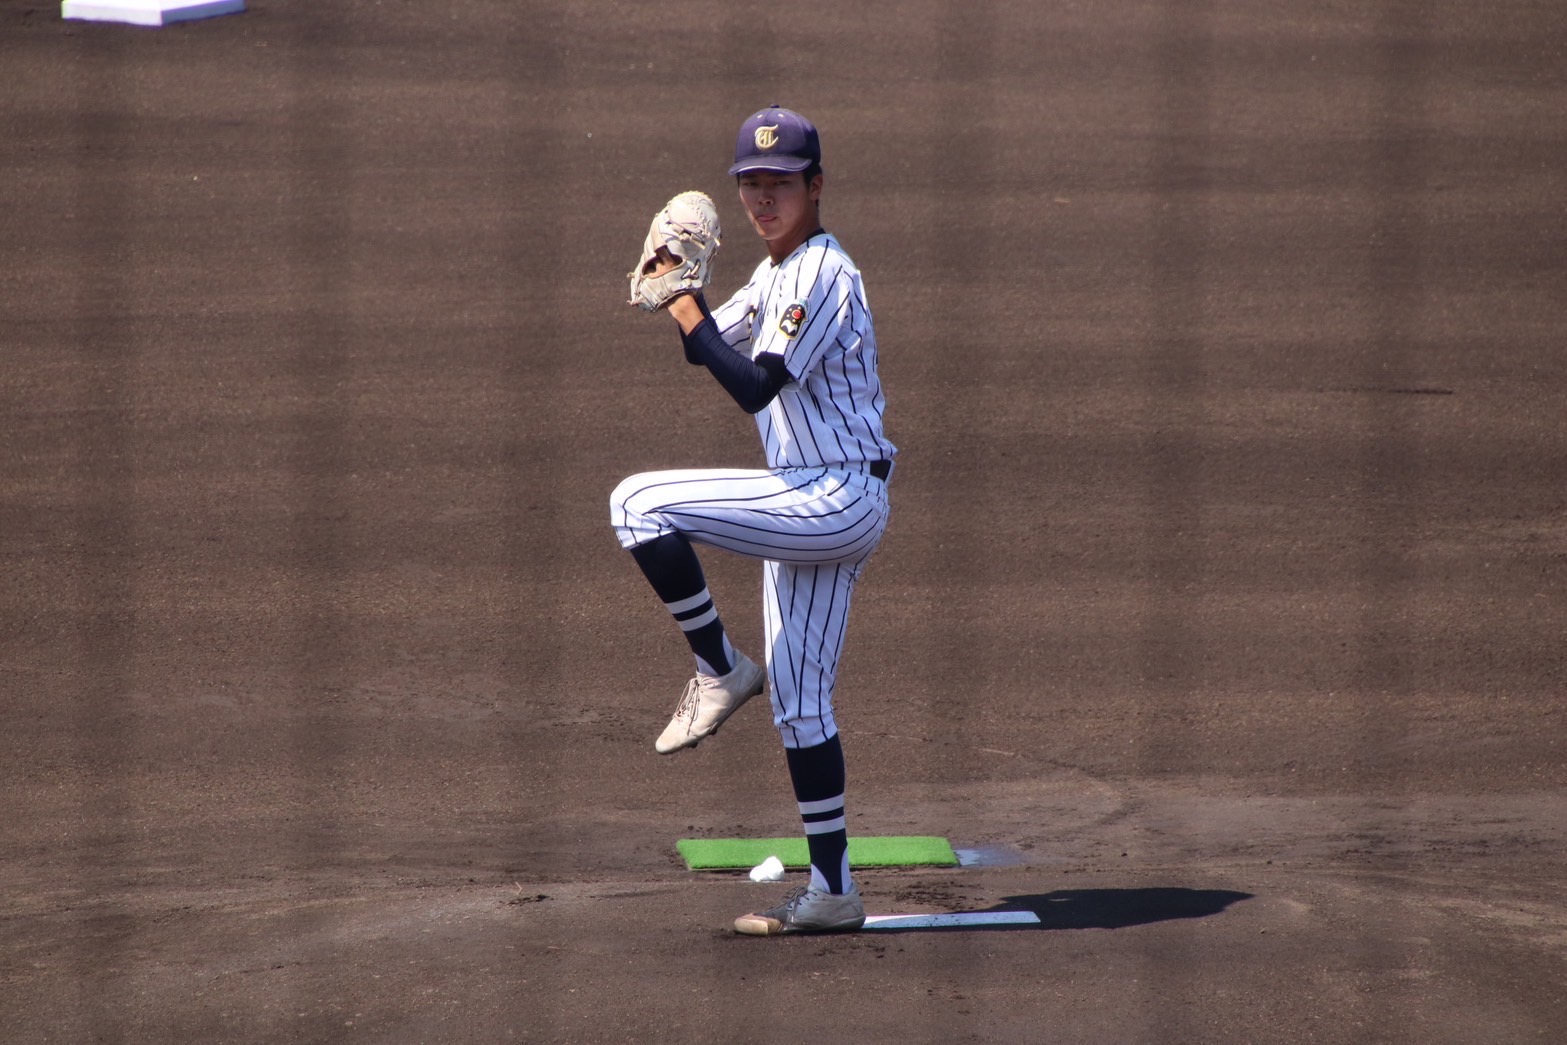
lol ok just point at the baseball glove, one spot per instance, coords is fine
(687, 228)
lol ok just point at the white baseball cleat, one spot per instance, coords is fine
(707, 701)
(807, 910)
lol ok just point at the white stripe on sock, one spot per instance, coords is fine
(822, 827)
(826, 805)
(688, 604)
(697, 622)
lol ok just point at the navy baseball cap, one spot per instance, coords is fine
(776, 139)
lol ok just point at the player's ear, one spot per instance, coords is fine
(815, 189)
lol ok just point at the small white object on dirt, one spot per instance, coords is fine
(769, 870)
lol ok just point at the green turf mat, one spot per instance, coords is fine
(730, 854)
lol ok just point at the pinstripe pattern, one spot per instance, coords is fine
(832, 411)
(797, 515)
(813, 527)
(815, 514)
(805, 613)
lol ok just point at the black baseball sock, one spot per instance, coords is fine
(818, 777)
(672, 568)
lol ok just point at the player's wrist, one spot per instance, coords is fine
(689, 311)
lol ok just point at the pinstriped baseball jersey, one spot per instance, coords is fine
(810, 309)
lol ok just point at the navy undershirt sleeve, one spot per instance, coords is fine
(752, 384)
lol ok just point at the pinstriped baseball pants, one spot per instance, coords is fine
(813, 528)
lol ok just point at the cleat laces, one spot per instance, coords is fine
(790, 902)
(690, 700)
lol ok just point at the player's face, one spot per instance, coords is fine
(781, 206)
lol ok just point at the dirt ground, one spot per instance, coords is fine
(1224, 590)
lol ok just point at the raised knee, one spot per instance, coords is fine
(623, 493)
(633, 527)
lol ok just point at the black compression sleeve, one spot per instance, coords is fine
(751, 384)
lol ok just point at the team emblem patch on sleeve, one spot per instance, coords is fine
(792, 320)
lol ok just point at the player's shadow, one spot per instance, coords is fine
(1120, 908)
(1102, 909)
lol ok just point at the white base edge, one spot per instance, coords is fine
(147, 12)
(950, 921)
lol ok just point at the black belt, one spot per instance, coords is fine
(881, 469)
